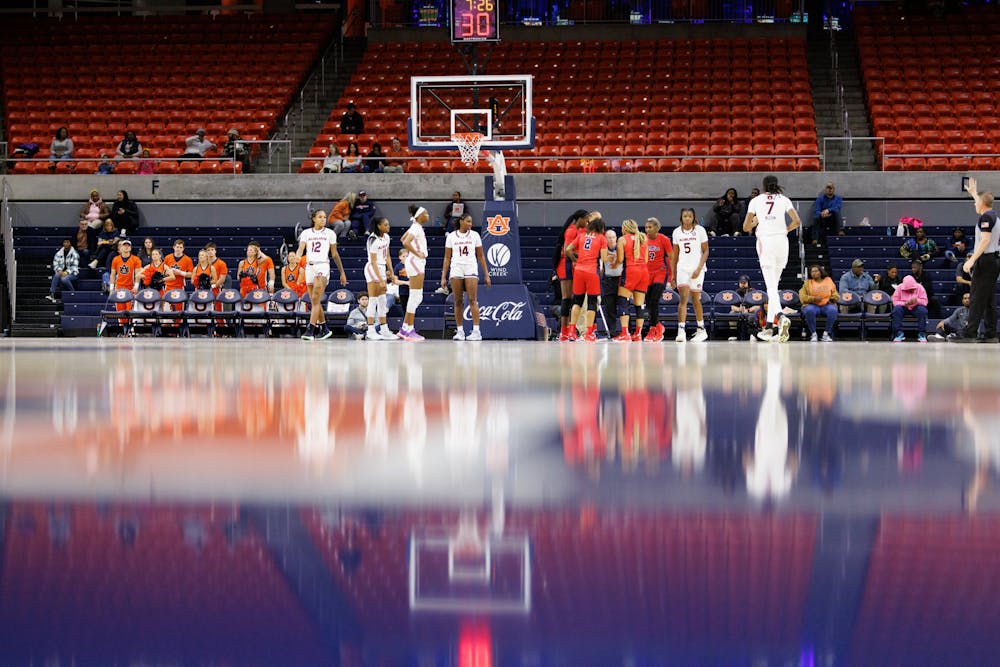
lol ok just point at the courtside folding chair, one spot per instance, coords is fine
(850, 315)
(338, 306)
(253, 313)
(877, 312)
(790, 300)
(283, 314)
(229, 317)
(173, 302)
(722, 310)
(145, 312)
(116, 310)
(200, 313)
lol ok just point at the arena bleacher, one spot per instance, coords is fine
(177, 74)
(643, 106)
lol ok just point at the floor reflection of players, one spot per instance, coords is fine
(414, 419)
(983, 422)
(317, 441)
(771, 466)
(690, 430)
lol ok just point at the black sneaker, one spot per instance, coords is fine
(989, 339)
(310, 333)
(961, 339)
(324, 333)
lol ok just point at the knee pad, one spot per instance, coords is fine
(416, 296)
(566, 307)
(624, 306)
(577, 300)
(641, 313)
(592, 303)
(380, 306)
(372, 310)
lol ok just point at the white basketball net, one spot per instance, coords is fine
(468, 146)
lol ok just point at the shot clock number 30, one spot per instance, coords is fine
(474, 21)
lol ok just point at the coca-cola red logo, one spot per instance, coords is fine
(505, 311)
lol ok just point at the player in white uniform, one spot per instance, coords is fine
(415, 241)
(766, 212)
(463, 250)
(378, 274)
(687, 265)
(317, 242)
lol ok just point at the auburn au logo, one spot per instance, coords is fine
(727, 296)
(498, 225)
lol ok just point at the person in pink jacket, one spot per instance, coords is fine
(909, 298)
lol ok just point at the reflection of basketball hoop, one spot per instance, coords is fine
(467, 556)
(468, 146)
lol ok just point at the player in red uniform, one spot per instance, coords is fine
(575, 224)
(633, 251)
(658, 266)
(586, 250)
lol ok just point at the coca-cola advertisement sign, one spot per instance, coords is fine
(505, 311)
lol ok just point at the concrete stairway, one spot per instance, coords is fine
(830, 120)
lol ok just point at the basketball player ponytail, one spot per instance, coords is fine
(632, 227)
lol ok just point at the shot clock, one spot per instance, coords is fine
(474, 21)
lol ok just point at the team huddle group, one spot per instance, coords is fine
(648, 262)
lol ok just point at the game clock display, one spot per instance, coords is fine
(474, 21)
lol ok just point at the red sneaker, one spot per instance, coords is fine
(591, 335)
(563, 336)
(571, 334)
(655, 334)
(623, 337)
(637, 336)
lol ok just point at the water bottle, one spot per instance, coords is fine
(888, 230)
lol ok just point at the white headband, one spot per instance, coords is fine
(419, 211)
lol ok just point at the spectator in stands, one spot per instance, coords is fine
(609, 286)
(357, 321)
(888, 282)
(957, 246)
(746, 202)
(963, 284)
(181, 265)
(910, 299)
(66, 269)
(339, 219)
(749, 312)
(917, 271)
(819, 297)
(107, 246)
(353, 162)
(129, 148)
(727, 214)
(147, 165)
(94, 213)
(204, 276)
(453, 211)
(197, 145)
(402, 280)
(61, 147)
(82, 241)
(221, 270)
(145, 252)
(375, 160)
(293, 274)
(857, 281)
(156, 274)
(393, 161)
(361, 215)
(105, 167)
(919, 247)
(352, 122)
(252, 271)
(333, 163)
(237, 149)
(827, 214)
(955, 323)
(124, 213)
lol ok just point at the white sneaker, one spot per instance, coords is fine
(813, 338)
(700, 336)
(827, 338)
(784, 326)
(386, 334)
(371, 334)
(681, 336)
(459, 335)
(764, 335)
(475, 335)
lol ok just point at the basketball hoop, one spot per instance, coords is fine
(468, 146)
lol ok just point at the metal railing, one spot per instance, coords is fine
(10, 260)
(850, 143)
(273, 147)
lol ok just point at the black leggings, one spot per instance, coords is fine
(653, 295)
